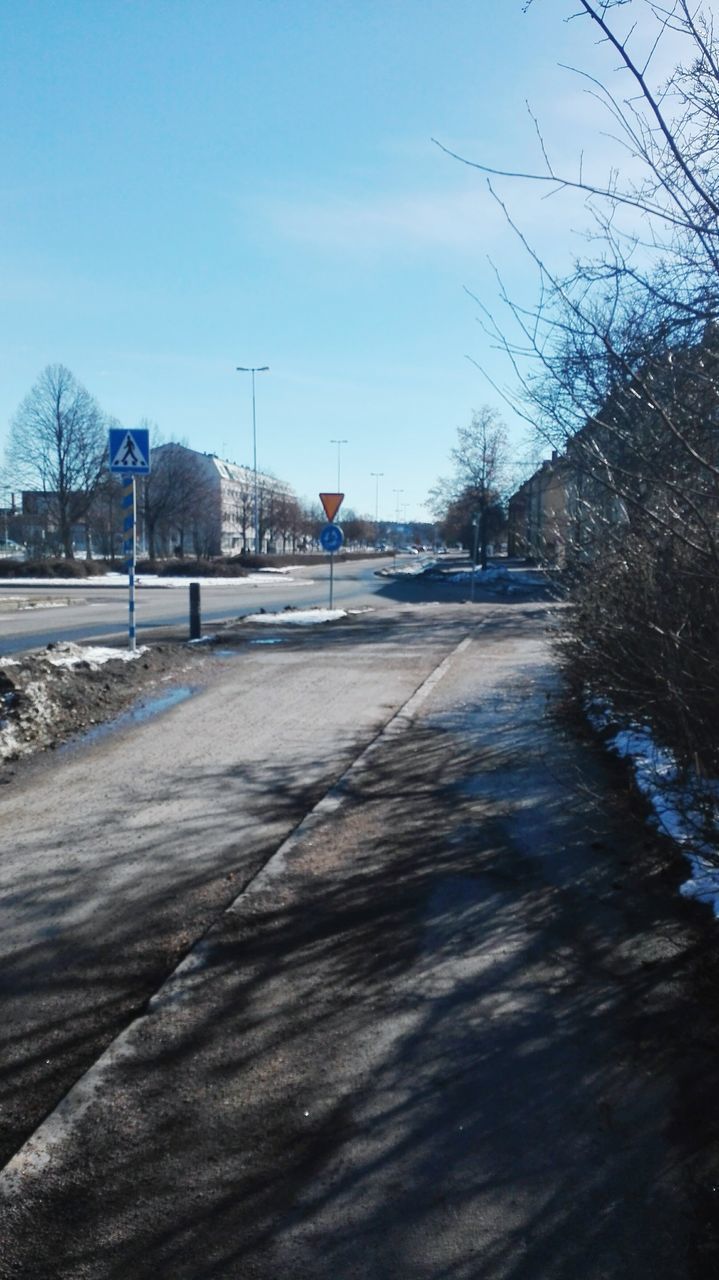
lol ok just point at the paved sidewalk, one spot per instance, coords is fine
(445, 1035)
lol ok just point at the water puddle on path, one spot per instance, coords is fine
(269, 640)
(139, 714)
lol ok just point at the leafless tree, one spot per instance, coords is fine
(617, 366)
(57, 446)
(177, 503)
(473, 492)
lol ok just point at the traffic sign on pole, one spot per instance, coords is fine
(129, 456)
(129, 524)
(331, 538)
(130, 451)
(331, 503)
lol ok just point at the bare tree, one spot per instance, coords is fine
(473, 492)
(178, 504)
(57, 445)
(617, 365)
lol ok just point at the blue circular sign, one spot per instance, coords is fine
(331, 538)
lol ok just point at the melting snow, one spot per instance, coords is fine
(684, 807)
(298, 617)
(69, 655)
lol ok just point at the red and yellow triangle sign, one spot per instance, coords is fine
(331, 503)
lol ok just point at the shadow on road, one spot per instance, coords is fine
(435, 1047)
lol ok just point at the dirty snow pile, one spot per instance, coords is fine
(69, 655)
(684, 807)
(49, 695)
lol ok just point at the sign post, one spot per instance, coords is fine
(129, 457)
(331, 536)
(129, 547)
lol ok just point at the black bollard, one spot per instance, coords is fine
(195, 620)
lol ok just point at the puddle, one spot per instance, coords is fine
(139, 714)
(269, 640)
(155, 706)
(225, 653)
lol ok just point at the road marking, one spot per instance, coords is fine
(36, 1153)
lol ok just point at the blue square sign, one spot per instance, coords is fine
(130, 451)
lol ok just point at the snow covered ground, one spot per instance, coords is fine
(302, 617)
(276, 576)
(684, 807)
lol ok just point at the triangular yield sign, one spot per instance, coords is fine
(331, 503)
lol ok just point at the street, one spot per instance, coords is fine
(93, 609)
(424, 966)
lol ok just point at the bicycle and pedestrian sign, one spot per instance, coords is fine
(331, 538)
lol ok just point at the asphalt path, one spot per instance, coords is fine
(426, 1039)
(96, 611)
(118, 851)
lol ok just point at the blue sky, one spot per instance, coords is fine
(186, 187)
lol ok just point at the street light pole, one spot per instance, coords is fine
(378, 476)
(258, 368)
(396, 493)
(475, 526)
(339, 444)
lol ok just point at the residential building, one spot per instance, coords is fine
(195, 503)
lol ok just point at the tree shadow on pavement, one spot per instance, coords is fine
(434, 1047)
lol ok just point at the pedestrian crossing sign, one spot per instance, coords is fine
(130, 451)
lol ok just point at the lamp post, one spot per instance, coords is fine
(396, 493)
(339, 444)
(258, 368)
(377, 476)
(476, 520)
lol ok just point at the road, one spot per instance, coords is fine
(426, 963)
(96, 611)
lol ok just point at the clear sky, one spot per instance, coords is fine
(191, 185)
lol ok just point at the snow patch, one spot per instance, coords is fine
(298, 617)
(69, 655)
(684, 806)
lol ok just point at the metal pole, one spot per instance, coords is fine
(332, 574)
(254, 468)
(339, 444)
(475, 525)
(253, 369)
(396, 493)
(128, 526)
(195, 613)
(377, 475)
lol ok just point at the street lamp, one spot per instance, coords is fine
(339, 444)
(396, 493)
(476, 521)
(258, 368)
(378, 476)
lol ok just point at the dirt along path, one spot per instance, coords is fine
(460, 1026)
